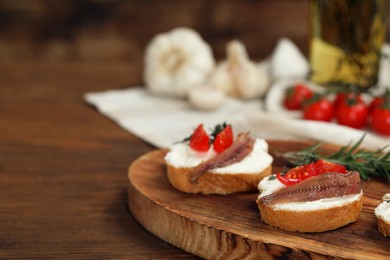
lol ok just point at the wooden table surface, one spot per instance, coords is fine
(63, 166)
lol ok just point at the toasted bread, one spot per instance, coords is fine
(382, 212)
(241, 176)
(215, 183)
(308, 216)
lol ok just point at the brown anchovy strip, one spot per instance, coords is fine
(327, 185)
(239, 149)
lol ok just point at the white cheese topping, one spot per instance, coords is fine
(383, 209)
(182, 156)
(267, 186)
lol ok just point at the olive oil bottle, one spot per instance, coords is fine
(345, 41)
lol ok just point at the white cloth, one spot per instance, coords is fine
(161, 121)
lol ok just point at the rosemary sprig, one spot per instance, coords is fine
(367, 162)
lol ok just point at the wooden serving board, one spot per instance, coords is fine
(229, 226)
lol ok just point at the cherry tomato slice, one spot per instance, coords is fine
(300, 173)
(293, 176)
(322, 166)
(200, 141)
(224, 139)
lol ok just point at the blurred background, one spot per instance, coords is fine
(103, 30)
(115, 30)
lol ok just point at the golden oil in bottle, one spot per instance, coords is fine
(345, 41)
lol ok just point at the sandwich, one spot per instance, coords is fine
(382, 213)
(316, 197)
(219, 162)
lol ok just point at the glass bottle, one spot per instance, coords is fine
(345, 41)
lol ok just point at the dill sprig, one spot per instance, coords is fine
(367, 162)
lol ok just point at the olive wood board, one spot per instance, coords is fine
(229, 226)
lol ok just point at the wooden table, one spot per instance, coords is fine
(63, 166)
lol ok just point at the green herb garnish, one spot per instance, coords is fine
(367, 162)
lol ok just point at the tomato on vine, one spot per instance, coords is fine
(352, 111)
(320, 109)
(375, 103)
(380, 120)
(296, 95)
(341, 98)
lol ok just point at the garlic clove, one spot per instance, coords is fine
(288, 62)
(177, 61)
(238, 76)
(206, 98)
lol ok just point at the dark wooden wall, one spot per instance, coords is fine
(102, 30)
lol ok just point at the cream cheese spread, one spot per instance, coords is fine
(383, 209)
(182, 156)
(268, 186)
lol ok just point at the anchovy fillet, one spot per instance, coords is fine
(240, 148)
(327, 185)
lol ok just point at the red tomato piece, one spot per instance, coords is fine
(293, 176)
(381, 120)
(322, 166)
(375, 103)
(352, 113)
(200, 141)
(321, 110)
(224, 139)
(300, 173)
(296, 95)
(341, 98)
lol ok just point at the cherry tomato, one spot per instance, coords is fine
(300, 173)
(293, 176)
(381, 120)
(224, 139)
(375, 102)
(352, 112)
(321, 110)
(296, 95)
(322, 166)
(341, 98)
(200, 141)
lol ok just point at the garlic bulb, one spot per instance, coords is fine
(177, 61)
(288, 62)
(206, 97)
(238, 76)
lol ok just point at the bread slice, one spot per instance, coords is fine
(384, 227)
(241, 176)
(319, 220)
(382, 212)
(215, 183)
(311, 216)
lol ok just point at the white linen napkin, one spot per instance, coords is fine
(314, 130)
(162, 121)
